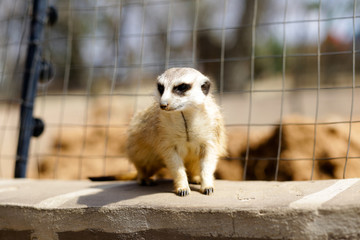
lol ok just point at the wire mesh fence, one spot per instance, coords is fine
(285, 73)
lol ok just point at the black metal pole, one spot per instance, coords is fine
(32, 70)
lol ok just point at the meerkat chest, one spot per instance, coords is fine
(185, 128)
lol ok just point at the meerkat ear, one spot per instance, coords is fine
(205, 87)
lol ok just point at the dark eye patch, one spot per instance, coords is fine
(160, 88)
(181, 89)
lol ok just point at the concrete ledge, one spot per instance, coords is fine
(32, 209)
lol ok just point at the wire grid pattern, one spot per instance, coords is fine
(14, 21)
(116, 67)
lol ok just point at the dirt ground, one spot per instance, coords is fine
(71, 149)
(301, 156)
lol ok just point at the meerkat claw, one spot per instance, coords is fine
(183, 192)
(208, 191)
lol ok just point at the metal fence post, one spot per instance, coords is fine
(28, 125)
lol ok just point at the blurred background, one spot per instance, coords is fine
(286, 74)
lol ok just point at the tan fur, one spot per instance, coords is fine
(187, 137)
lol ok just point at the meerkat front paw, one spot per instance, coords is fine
(182, 192)
(207, 190)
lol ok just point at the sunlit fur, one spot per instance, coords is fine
(186, 135)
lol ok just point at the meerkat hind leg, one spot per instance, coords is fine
(147, 182)
(193, 170)
(144, 177)
(195, 179)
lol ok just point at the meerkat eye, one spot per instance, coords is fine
(160, 88)
(181, 89)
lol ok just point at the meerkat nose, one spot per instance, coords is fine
(164, 104)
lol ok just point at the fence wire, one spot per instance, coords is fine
(285, 73)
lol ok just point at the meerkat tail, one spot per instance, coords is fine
(119, 177)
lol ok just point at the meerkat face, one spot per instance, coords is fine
(182, 88)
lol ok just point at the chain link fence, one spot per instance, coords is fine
(285, 73)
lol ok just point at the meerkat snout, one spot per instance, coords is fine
(183, 131)
(163, 106)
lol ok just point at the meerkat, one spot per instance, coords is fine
(183, 131)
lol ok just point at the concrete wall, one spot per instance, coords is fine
(123, 210)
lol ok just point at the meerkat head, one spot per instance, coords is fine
(182, 88)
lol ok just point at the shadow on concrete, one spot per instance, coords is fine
(113, 192)
(151, 234)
